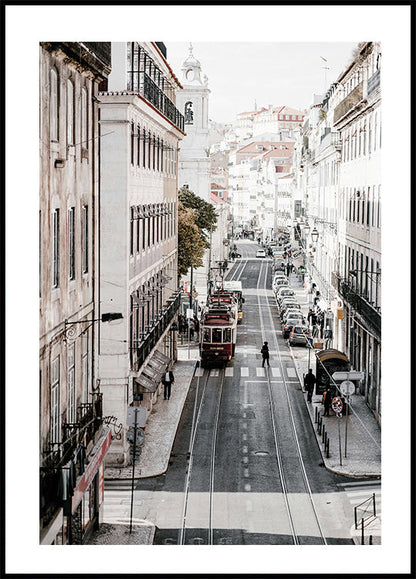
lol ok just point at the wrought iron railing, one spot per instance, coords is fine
(157, 98)
(83, 431)
(360, 304)
(153, 334)
(349, 102)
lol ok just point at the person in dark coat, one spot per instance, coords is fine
(265, 353)
(167, 380)
(309, 381)
(328, 337)
(326, 401)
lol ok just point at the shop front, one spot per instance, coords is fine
(84, 508)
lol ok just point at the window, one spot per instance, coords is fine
(207, 335)
(71, 242)
(54, 106)
(71, 384)
(85, 239)
(85, 366)
(154, 152)
(55, 248)
(144, 148)
(132, 139)
(131, 230)
(70, 112)
(139, 226)
(84, 118)
(227, 335)
(138, 145)
(55, 414)
(148, 149)
(216, 335)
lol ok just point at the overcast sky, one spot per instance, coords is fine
(241, 74)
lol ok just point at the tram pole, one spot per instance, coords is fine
(132, 476)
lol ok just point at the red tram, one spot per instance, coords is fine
(218, 333)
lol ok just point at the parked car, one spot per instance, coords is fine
(279, 282)
(293, 310)
(261, 253)
(289, 306)
(284, 292)
(290, 324)
(299, 335)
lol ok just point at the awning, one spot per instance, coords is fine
(297, 261)
(152, 373)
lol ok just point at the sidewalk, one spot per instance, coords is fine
(363, 432)
(361, 456)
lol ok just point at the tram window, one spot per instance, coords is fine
(207, 335)
(216, 335)
(227, 335)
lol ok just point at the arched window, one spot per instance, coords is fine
(70, 111)
(54, 109)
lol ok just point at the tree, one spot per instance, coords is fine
(191, 244)
(196, 219)
(206, 218)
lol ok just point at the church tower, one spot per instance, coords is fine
(192, 101)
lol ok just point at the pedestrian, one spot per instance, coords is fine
(326, 401)
(196, 324)
(288, 269)
(265, 353)
(191, 326)
(309, 382)
(167, 380)
(328, 337)
(310, 317)
(315, 331)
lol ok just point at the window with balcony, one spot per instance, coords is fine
(55, 403)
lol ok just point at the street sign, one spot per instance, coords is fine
(140, 412)
(337, 405)
(195, 294)
(140, 436)
(353, 375)
(347, 387)
(189, 313)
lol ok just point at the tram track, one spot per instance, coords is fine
(196, 428)
(308, 511)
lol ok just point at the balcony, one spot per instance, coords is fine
(84, 432)
(373, 82)
(158, 99)
(153, 333)
(359, 303)
(349, 102)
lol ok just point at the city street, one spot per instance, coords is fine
(245, 468)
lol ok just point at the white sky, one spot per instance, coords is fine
(205, 24)
(242, 73)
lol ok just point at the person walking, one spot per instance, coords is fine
(191, 324)
(287, 269)
(309, 382)
(167, 380)
(328, 337)
(326, 401)
(265, 353)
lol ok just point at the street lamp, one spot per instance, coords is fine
(315, 235)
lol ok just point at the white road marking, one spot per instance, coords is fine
(260, 372)
(199, 372)
(276, 372)
(245, 449)
(291, 372)
(244, 371)
(214, 372)
(229, 371)
(247, 487)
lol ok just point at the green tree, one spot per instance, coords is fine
(206, 218)
(191, 244)
(196, 219)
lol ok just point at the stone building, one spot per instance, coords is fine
(71, 426)
(140, 131)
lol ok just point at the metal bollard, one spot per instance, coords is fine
(316, 414)
(323, 432)
(327, 448)
(319, 424)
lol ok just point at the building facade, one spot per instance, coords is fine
(71, 421)
(140, 130)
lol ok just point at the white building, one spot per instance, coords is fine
(194, 170)
(140, 131)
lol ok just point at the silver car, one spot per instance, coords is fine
(299, 335)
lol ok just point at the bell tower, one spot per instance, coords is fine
(192, 101)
